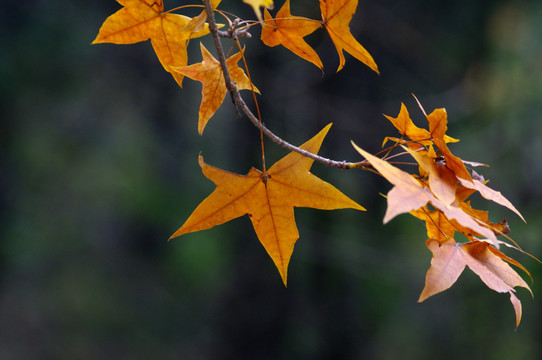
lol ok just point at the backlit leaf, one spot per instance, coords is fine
(269, 200)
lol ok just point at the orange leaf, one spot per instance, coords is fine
(140, 20)
(337, 15)
(449, 260)
(438, 226)
(406, 127)
(437, 127)
(209, 73)
(288, 30)
(269, 200)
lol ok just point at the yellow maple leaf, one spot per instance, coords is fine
(337, 15)
(269, 200)
(288, 30)
(257, 4)
(209, 73)
(141, 20)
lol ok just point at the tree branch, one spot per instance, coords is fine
(240, 103)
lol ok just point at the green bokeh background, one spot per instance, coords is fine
(98, 167)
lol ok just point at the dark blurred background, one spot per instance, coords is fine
(99, 167)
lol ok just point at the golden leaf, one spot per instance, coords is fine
(288, 30)
(269, 200)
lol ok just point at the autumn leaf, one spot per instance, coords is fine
(337, 15)
(438, 120)
(438, 226)
(269, 200)
(209, 73)
(441, 228)
(257, 4)
(490, 194)
(288, 30)
(442, 181)
(140, 20)
(407, 194)
(449, 261)
(410, 194)
(406, 127)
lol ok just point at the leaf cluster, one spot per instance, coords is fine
(437, 193)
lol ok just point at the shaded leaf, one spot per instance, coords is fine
(269, 200)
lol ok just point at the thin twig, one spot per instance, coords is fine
(240, 103)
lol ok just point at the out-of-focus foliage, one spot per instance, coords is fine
(92, 186)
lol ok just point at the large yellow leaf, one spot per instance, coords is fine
(288, 30)
(140, 20)
(337, 15)
(449, 261)
(209, 73)
(268, 200)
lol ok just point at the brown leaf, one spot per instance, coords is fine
(269, 200)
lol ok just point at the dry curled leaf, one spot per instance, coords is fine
(449, 261)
